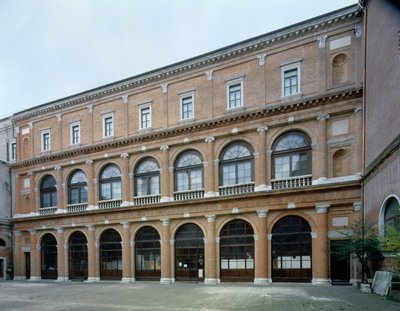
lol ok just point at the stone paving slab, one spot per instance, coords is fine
(110, 296)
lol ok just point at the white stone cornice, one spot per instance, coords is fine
(261, 59)
(125, 98)
(209, 74)
(164, 87)
(321, 41)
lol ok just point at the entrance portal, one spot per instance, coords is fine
(189, 253)
(148, 257)
(78, 256)
(110, 255)
(291, 250)
(49, 257)
(340, 267)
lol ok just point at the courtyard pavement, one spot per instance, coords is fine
(109, 296)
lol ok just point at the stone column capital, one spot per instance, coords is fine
(125, 98)
(164, 87)
(262, 129)
(323, 117)
(322, 207)
(210, 218)
(165, 221)
(90, 227)
(262, 213)
(125, 224)
(321, 41)
(125, 155)
(209, 74)
(261, 59)
(210, 139)
(164, 148)
(356, 206)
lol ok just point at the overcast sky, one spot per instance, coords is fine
(51, 49)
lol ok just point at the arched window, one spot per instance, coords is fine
(2, 243)
(110, 183)
(48, 192)
(236, 164)
(392, 213)
(189, 171)
(291, 156)
(147, 178)
(77, 186)
(78, 256)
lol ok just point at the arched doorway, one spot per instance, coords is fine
(291, 250)
(110, 255)
(237, 251)
(189, 253)
(148, 256)
(78, 256)
(48, 257)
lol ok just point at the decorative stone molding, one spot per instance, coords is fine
(186, 140)
(90, 227)
(262, 213)
(321, 41)
(32, 232)
(164, 87)
(17, 130)
(269, 237)
(57, 168)
(322, 207)
(313, 235)
(358, 109)
(235, 131)
(59, 117)
(172, 242)
(59, 229)
(186, 215)
(165, 221)
(261, 59)
(30, 124)
(17, 233)
(89, 162)
(30, 173)
(262, 129)
(125, 155)
(358, 30)
(291, 205)
(210, 218)
(90, 108)
(125, 98)
(209, 74)
(255, 236)
(256, 155)
(323, 117)
(143, 218)
(164, 148)
(235, 210)
(210, 139)
(125, 224)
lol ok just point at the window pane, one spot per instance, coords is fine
(196, 179)
(106, 191)
(155, 185)
(182, 181)
(244, 172)
(116, 190)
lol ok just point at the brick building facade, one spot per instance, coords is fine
(242, 164)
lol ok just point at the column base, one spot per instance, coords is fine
(35, 278)
(92, 279)
(262, 281)
(19, 278)
(167, 281)
(62, 279)
(365, 288)
(321, 281)
(128, 280)
(210, 281)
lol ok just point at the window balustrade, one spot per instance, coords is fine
(236, 189)
(105, 204)
(74, 208)
(145, 200)
(292, 182)
(188, 195)
(47, 210)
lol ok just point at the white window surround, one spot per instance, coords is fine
(183, 96)
(43, 133)
(381, 220)
(231, 82)
(141, 107)
(287, 66)
(71, 127)
(106, 116)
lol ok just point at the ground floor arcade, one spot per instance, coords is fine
(260, 246)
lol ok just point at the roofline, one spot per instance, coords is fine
(197, 61)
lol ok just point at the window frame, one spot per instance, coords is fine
(13, 151)
(148, 122)
(188, 170)
(45, 142)
(72, 126)
(236, 161)
(232, 83)
(111, 181)
(80, 186)
(286, 67)
(147, 176)
(48, 190)
(291, 152)
(182, 98)
(105, 117)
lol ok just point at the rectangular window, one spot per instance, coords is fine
(145, 117)
(108, 125)
(46, 140)
(235, 96)
(291, 82)
(13, 151)
(187, 107)
(291, 78)
(75, 133)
